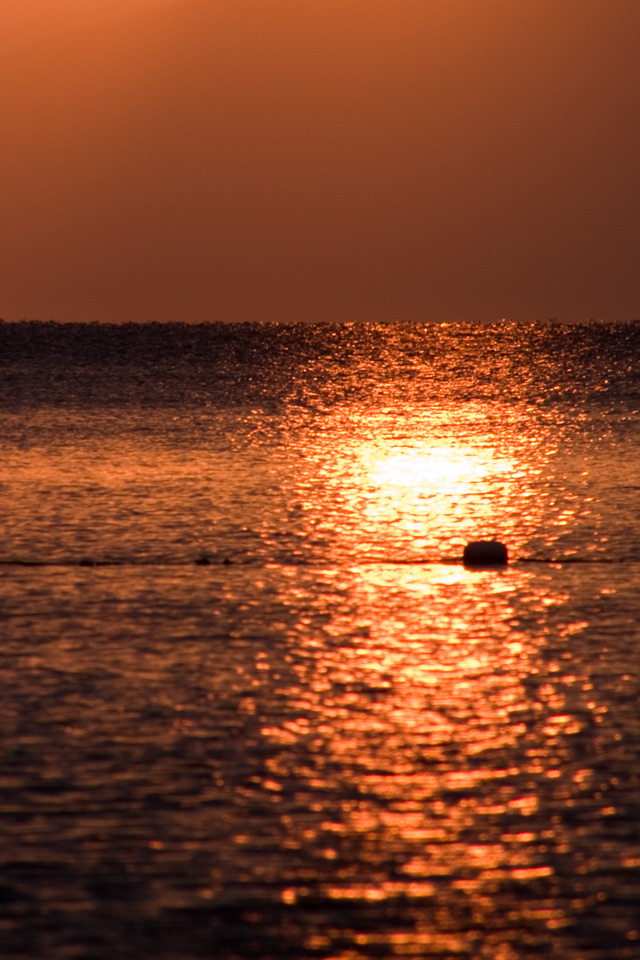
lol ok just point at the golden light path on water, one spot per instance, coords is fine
(425, 720)
(420, 706)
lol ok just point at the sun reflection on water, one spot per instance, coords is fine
(416, 491)
(428, 469)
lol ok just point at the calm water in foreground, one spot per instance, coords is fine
(327, 738)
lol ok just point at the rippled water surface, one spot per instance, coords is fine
(254, 706)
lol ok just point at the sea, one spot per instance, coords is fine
(254, 705)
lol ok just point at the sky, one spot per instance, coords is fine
(322, 160)
(24, 22)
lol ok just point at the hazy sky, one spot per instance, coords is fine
(325, 159)
(29, 21)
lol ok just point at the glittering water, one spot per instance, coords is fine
(253, 706)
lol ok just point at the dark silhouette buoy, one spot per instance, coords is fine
(485, 553)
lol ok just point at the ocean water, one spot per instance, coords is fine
(253, 704)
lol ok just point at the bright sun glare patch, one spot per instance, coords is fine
(434, 497)
(431, 468)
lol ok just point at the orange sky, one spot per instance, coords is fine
(326, 159)
(29, 21)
